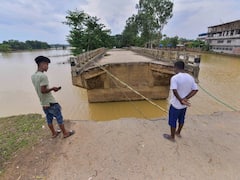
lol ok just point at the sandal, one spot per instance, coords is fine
(70, 133)
(56, 135)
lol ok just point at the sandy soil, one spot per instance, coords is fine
(135, 149)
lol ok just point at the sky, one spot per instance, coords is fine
(42, 19)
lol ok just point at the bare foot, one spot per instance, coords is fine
(169, 137)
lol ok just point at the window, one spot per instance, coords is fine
(220, 41)
(229, 41)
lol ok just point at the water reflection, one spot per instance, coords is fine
(219, 75)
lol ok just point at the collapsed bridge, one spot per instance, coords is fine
(116, 75)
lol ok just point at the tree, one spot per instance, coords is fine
(86, 33)
(36, 45)
(14, 45)
(5, 48)
(152, 16)
(96, 35)
(118, 41)
(145, 27)
(130, 33)
(169, 41)
(198, 44)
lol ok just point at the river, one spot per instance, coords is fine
(219, 76)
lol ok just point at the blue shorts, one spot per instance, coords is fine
(176, 114)
(53, 111)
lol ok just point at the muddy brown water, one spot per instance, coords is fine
(219, 76)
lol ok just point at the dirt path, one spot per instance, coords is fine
(136, 149)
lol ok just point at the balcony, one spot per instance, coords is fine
(236, 36)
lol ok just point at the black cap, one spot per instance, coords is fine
(40, 59)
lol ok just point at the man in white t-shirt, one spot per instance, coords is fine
(182, 87)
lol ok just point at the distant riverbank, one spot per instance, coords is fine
(210, 52)
(15, 46)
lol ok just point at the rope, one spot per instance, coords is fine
(216, 99)
(129, 99)
(129, 87)
(154, 104)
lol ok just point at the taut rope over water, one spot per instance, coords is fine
(132, 89)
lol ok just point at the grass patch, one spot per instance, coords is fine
(18, 132)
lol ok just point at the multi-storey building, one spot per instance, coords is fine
(225, 37)
(202, 37)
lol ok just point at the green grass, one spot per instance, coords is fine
(17, 133)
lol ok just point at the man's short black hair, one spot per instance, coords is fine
(179, 65)
(40, 59)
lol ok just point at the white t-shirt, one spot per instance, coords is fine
(184, 83)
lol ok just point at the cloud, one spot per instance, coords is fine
(31, 21)
(113, 14)
(192, 17)
(42, 19)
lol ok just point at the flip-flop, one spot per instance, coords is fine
(168, 137)
(56, 135)
(70, 133)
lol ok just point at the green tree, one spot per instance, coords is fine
(151, 18)
(86, 33)
(96, 35)
(130, 34)
(14, 45)
(170, 41)
(198, 44)
(118, 41)
(145, 27)
(5, 48)
(36, 45)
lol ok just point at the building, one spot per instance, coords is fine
(202, 37)
(225, 38)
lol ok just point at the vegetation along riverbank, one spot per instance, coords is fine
(18, 133)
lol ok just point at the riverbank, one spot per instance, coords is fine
(135, 149)
(18, 133)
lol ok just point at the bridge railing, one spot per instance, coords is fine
(78, 63)
(191, 60)
(168, 55)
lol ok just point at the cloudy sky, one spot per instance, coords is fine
(42, 19)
